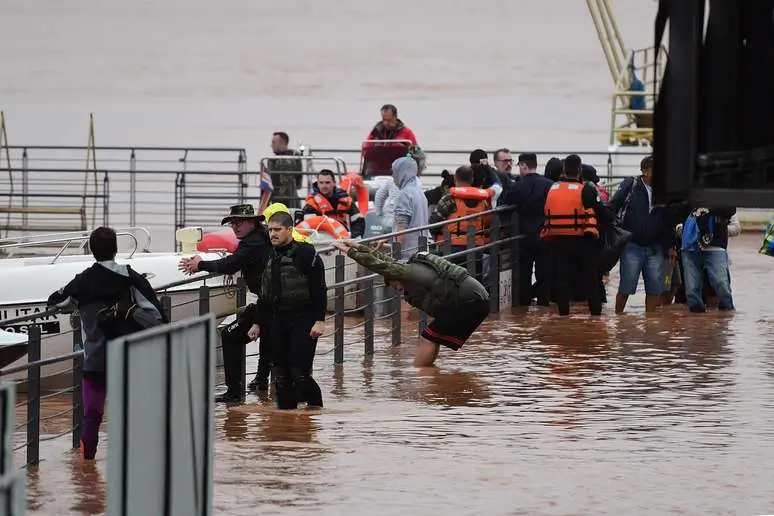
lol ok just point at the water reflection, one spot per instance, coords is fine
(88, 486)
(535, 415)
(435, 386)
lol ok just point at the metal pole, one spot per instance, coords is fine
(423, 246)
(132, 189)
(494, 267)
(166, 304)
(33, 396)
(471, 258)
(396, 303)
(25, 185)
(77, 398)
(105, 200)
(446, 240)
(338, 319)
(368, 315)
(241, 299)
(204, 300)
(515, 279)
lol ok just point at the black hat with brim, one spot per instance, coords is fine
(241, 211)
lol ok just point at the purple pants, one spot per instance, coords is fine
(94, 393)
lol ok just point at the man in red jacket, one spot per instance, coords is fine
(378, 157)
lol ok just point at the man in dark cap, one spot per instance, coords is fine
(250, 258)
(553, 169)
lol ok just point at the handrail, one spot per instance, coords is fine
(37, 315)
(125, 147)
(42, 362)
(366, 142)
(188, 281)
(68, 238)
(116, 171)
(198, 279)
(341, 165)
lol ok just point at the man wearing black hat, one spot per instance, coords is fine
(250, 258)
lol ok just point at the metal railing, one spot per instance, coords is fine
(374, 315)
(163, 188)
(143, 181)
(611, 164)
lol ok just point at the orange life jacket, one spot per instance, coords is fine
(459, 231)
(565, 214)
(323, 206)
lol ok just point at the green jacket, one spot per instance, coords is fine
(430, 283)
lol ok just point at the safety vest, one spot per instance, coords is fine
(294, 286)
(565, 214)
(443, 291)
(323, 206)
(459, 231)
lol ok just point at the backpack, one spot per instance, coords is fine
(445, 269)
(123, 316)
(768, 240)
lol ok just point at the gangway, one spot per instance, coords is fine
(636, 76)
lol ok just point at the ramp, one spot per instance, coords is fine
(161, 410)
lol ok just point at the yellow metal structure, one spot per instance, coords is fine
(628, 126)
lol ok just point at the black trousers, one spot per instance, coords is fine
(576, 257)
(534, 255)
(293, 353)
(234, 338)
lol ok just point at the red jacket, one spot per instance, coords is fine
(378, 157)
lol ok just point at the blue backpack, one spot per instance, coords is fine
(694, 239)
(768, 239)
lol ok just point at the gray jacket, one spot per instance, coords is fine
(411, 205)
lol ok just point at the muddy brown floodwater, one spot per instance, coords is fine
(669, 414)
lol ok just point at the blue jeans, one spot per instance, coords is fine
(715, 262)
(650, 261)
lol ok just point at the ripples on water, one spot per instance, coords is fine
(670, 414)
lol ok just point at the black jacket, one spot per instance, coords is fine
(529, 196)
(250, 258)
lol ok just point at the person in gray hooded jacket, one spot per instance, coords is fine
(411, 205)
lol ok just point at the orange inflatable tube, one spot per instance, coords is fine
(469, 192)
(323, 224)
(356, 188)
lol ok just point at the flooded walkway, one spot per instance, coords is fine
(671, 414)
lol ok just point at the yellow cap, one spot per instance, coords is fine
(273, 208)
(277, 207)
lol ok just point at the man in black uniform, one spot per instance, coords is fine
(293, 294)
(529, 195)
(249, 258)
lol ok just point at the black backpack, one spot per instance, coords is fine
(123, 316)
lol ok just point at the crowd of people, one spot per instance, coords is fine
(567, 219)
(572, 234)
